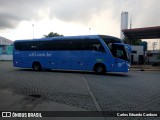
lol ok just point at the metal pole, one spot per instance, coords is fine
(33, 30)
(89, 30)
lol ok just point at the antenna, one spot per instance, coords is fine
(131, 22)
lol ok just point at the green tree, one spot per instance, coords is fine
(126, 40)
(52, 34)
(132, 42)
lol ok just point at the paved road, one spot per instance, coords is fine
(24, 89)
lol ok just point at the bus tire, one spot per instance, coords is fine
(100, 68)
(36, 66)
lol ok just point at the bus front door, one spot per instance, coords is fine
(121, 57)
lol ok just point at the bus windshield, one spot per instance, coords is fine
(119, 51)
(116, 47)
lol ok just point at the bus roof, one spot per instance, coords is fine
(71, 37)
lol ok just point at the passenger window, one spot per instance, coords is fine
(75, 44)
(94, 44)
(101, 48)
(18, 46)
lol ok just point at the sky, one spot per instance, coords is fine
(27, 19)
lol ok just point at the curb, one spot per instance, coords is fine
(132, 69)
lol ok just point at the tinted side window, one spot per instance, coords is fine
(17, 45)
(25, 46)
(34, 45)
(31, 46)
(76, 44)
(45, 45)
(94, 44)
(69, 44)
(60, 45)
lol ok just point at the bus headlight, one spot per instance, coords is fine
(128, 65)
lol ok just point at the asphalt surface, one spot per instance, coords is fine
(27, 90)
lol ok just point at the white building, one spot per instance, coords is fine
(137, 55)
(6, 49)
(4, 41)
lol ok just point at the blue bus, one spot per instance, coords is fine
(99, 53)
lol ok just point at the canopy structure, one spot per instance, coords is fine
(142, 33)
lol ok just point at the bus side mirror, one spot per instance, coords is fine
(128, 47)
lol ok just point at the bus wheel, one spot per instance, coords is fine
(36, 66)
(100, 69)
